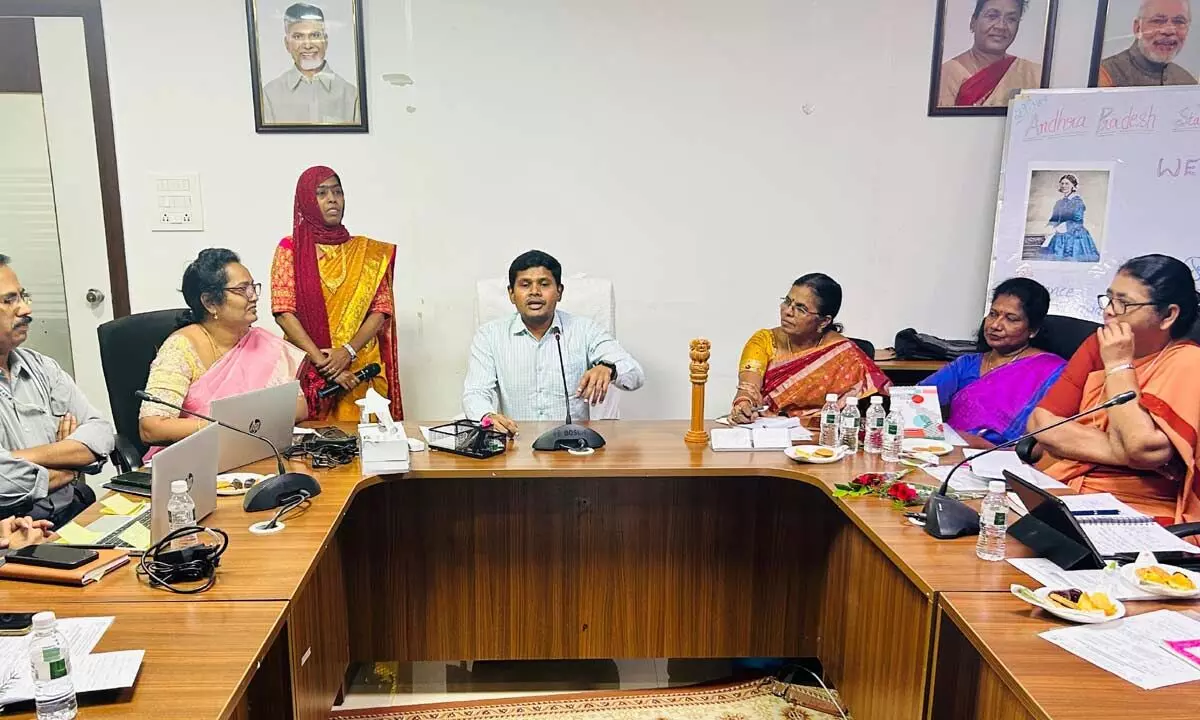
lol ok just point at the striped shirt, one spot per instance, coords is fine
(513, 373)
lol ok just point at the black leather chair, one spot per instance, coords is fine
(127, 347)
(866, 346)
(1063, 335)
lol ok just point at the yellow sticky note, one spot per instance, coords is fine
(115, 504)
(76, 534)
(136, 535)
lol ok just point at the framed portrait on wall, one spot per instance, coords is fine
(1144, 43)
(307, 65)
(985, 51)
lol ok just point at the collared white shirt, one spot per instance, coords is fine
(517, 375)
(324, 98)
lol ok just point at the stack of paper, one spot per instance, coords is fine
(993, 465)
(796, 431)
(750, 438)
(102, 671)
(1134, 648)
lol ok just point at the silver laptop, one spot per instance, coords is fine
(269, 413)
(193, 459)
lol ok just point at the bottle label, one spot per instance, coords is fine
(830, 419)
(893, 429)
(877, 423)
(998, 518)
(53, 665)
(850, 423)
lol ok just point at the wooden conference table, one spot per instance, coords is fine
(648, 548)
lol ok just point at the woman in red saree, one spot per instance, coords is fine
(332, 295)
(789, 369)
(1142, 452)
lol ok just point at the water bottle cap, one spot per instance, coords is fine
(179, 487)
(44, 620)
(831, 397)
(876, 399)
(997, 486)
(851, 400)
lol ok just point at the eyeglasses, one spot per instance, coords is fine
(787, 302)
(1119, 307)
(247, 291)
(11, 299)
(1158, 22)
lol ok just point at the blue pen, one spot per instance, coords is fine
(1093, 513)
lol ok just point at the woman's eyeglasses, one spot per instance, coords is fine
(787, 302)
(1119, 306)
(247, 291)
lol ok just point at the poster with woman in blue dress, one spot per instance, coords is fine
(1060, 225)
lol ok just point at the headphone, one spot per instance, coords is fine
(165, 568)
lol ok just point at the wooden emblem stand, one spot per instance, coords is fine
(699, 352)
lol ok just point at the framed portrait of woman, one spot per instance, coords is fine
(306, 65)
(986, 51)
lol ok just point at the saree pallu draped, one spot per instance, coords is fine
(798, 386)
(1170, 393)
(997, 405)
(355, 279)
(260, 360)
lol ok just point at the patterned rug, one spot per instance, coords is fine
(766, 699)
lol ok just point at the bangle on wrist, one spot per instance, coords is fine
(350, 349)
(1117, 369)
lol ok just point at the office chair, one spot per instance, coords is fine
(127, 347)
(1063, 335)
(866, 346)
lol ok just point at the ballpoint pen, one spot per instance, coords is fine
(1094, 513)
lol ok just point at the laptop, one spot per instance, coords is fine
(193, 459)
(269, 413)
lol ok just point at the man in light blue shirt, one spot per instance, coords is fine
(513, 374)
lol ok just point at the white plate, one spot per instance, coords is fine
(1075, 616)
(1129, 575)
(935, 447)
(804, 454)
(243, 476)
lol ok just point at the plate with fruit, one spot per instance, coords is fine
(1073, 604)
(817, 454)
(1165, 580)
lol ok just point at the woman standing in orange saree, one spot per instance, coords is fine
(1144, 453)
(788, 370)
(331, 293)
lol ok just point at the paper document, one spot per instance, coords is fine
(750, 438)
(82, 634)
(1133, 648)
(1111, 539)
(798, 433)
(107, 671)
(964, 480)
(993, 465)
(1100, 501)
(951, 436)
(1052, 576)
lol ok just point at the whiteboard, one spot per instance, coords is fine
(1131, 162)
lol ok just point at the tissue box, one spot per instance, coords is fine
(384, 452)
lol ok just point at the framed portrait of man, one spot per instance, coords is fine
(307, 67)
(986, 51)
(1144, 43)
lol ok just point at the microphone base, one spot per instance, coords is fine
(278, 490)
(947, 518)
(569, 437)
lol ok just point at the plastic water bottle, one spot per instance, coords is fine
(893, 435)
(830, 436)
(50, 655)
(876, 415)
(851, 422)
(993, 522)
(182, 513)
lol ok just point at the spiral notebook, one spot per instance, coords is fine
(1125, 531)
(1104, 505)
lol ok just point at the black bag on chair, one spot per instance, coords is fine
(912, 345)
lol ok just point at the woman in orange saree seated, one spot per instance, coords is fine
(332, 295)
(788, 370)
(1143, 452)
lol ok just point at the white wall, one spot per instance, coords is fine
(700, 153)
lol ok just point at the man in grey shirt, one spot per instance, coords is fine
(308, 92)
(48, 429)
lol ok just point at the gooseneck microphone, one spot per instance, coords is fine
(274, 490)
(568, 436)
(947, 518)
(366, 373)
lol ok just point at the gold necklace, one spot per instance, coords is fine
(1011, 358)
(217, 354)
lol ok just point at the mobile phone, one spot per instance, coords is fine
(58, 557)
(16, 623)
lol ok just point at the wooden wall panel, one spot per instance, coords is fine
(875, 630)
(965, 687)
(318, 639)
(585, 568)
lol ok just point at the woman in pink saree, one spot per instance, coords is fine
(217, 354)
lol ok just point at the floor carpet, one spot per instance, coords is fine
(761, 699)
